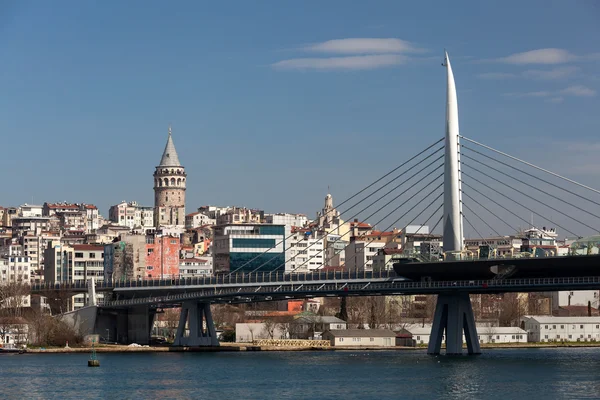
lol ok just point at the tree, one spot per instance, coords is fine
(511, 310)
(251, 330)
(269, 328)
(284, 325)
(12, 299)
(343, 314)
(168, 322)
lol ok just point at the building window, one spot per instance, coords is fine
(580, 326)
(78, 255)
(92, 255)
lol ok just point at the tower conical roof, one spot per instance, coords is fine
(169, 157)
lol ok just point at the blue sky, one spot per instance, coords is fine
(272, 101)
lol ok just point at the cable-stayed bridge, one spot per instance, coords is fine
(453, 181)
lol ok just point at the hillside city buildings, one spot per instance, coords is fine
(71, 242)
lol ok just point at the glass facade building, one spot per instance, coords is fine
(243, 248)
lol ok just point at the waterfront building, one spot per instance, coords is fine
(169, 189)
(361, 337)
(248, 332)
(14, 331)
(486, 333)
(132, 215)
(562, 329)
(256, 247)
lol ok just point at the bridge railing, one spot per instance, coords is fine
(231, 279)
(294, 289)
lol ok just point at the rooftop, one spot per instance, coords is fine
(545, 319)
(362, 333)
(169, 157)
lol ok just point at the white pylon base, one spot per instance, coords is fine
(201, 328)
(453, 315)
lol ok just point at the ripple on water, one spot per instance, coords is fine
(497, 374)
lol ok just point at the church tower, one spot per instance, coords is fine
(169, 189)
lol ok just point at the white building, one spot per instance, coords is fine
(575, 298)
(486, 334)
(304, 252)
(248, 332)
(197, 219)
(195, 267)
(15, 268)
(88, 262)
(359, 254)
(299, 220)
(132, 215)
(562, 329)
(335, 251)
(29, 210)
(213, 212)
(361, 337)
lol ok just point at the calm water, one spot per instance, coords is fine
(497, 374)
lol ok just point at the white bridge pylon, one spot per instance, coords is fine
(453, 312)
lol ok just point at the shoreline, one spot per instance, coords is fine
(229, 347)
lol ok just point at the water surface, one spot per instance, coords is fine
(564, 373)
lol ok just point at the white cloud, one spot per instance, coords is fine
(363, 46)
(496, 75)
(540, 56)
(344, 63)
(554, 73)
(542, 93)
(538, 74)
(557, 96)
(579, 90)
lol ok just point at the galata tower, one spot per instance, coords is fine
(169, 189)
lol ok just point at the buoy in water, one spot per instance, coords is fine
(93, 361)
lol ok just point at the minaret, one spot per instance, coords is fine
(169, 188)
(453, 227)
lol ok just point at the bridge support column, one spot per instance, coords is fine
(453, 315)
(140, 320)
(201, 328)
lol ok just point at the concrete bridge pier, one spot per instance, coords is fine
(139, 324)
(200, 326)
(453, 315)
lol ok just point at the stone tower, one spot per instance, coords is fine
(169, 189)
